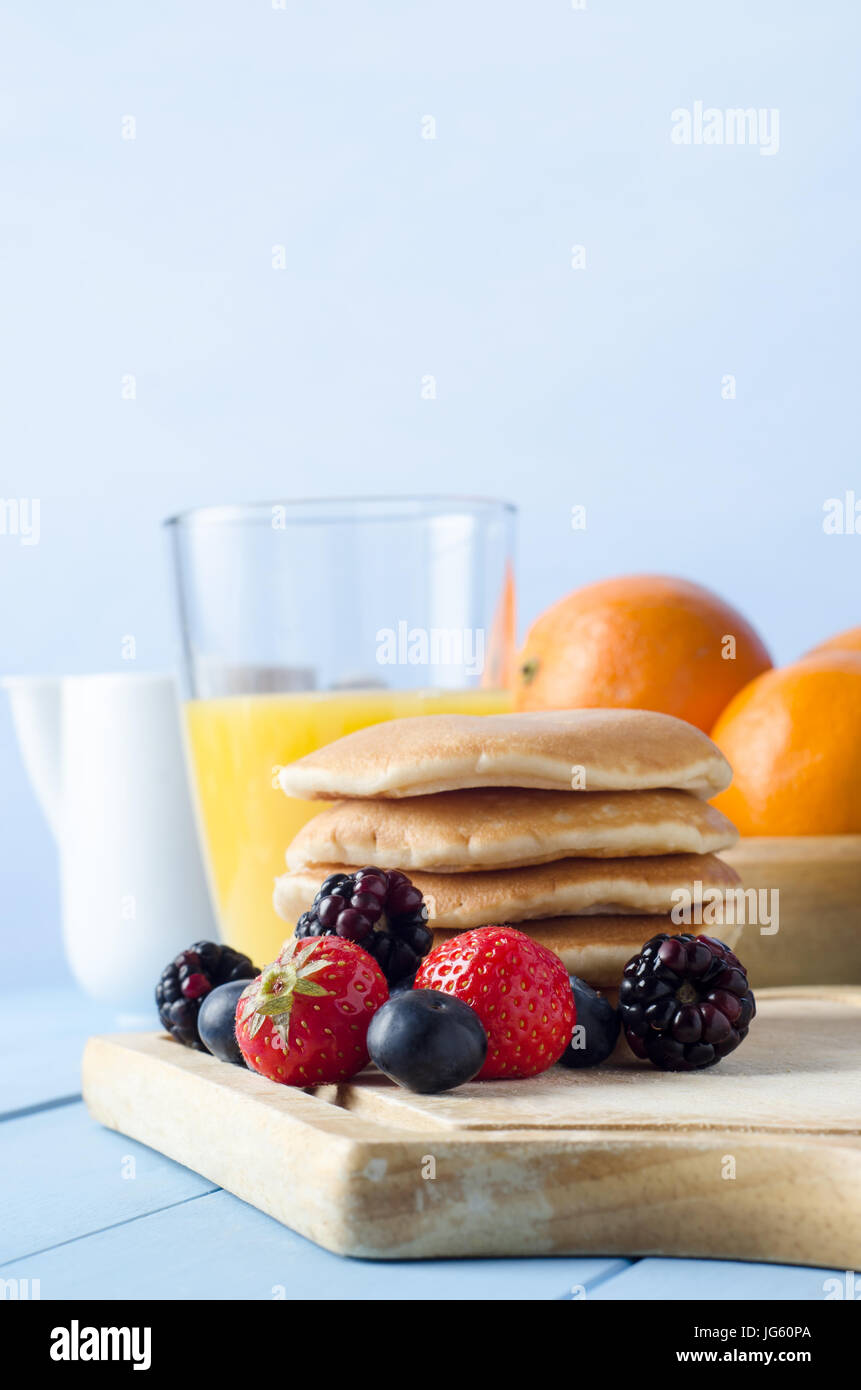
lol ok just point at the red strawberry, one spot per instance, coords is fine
(304, 1020)
(519, 990)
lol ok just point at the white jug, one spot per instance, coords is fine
(107, 760)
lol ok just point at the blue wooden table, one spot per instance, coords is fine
(91, 1214)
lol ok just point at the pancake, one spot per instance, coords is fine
(494, 828)
(587, 749)
(597, 949)
(567, 887)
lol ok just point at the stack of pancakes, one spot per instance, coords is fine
(479, 811)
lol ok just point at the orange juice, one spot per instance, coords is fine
(236, 743)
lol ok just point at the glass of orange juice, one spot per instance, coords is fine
(304, 620)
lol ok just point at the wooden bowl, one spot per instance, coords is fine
(818, 878)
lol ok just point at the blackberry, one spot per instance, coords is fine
(685, 1002)
(381, 911)
(185, 983)
(406, 982)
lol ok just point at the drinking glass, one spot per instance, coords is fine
(304, 620)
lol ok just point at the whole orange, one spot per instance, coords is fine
(849, 641)
(793, 737)
(642, 641)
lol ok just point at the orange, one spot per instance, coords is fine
(849, 641)
(793, 737)
(639, 642)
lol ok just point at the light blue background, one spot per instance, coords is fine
(405, 257)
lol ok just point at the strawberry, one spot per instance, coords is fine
(519, 989)
(304, 1020)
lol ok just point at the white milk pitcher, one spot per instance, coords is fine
(107, 761)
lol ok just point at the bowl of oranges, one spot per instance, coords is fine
(792, 735)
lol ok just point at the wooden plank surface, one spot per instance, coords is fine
(718, 1279)
(41, 1063)
(217, 1247)
(764, 1164)
(63, 1177)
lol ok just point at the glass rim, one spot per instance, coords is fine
(368, 507)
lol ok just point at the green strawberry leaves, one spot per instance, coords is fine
(279, 985)
(256, 1023)
(309, 987)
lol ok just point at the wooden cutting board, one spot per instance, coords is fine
(758, 1158)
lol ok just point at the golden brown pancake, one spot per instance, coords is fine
(597, 949)
(567, 887)
(496, 828)
(583, 749)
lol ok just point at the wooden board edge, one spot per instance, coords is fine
(829, 994)
(795, 849)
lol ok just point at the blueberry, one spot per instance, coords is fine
(427, 1041)
(595, 1031)
(215, 1022)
